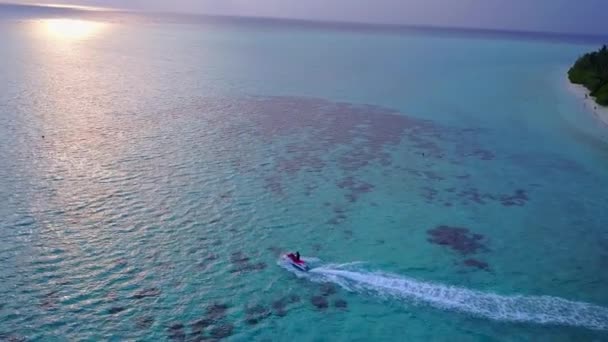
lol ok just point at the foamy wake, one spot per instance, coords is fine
(517, 308)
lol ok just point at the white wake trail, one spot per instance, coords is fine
(515, 308)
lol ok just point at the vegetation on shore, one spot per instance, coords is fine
(591, 70)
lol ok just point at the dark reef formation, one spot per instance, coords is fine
(243, 263)
(458, 239)
(319, 302)
(149, 292)
(462, 241)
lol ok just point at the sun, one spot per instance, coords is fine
(70, 29)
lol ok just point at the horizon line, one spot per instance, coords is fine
(319, 22)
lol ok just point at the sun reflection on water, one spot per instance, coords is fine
(70, 29)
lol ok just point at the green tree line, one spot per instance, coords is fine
(591, 70)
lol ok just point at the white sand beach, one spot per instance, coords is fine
(588, 102)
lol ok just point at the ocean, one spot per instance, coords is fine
(445, 185)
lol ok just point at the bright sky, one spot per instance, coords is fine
(571, 16)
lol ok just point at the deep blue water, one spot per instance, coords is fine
(445, 184)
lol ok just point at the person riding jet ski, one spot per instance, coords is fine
(296, 261)
(294, 257)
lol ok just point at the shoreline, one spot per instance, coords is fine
(582, 93)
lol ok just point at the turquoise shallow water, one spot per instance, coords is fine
(447, 187)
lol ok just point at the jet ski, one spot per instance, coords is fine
(295, 261)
